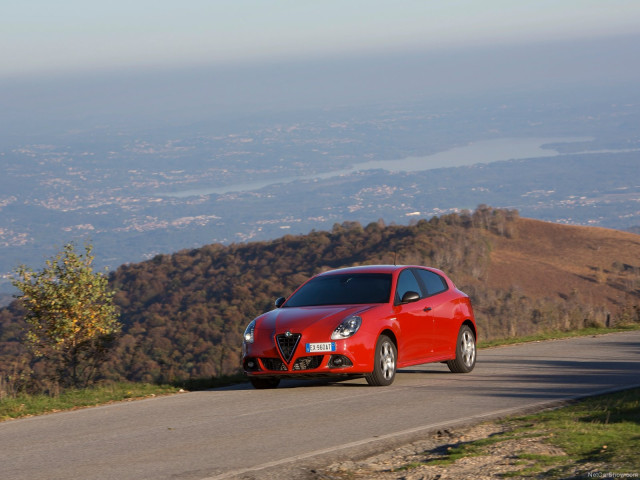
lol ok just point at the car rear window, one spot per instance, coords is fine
(433, 282)
(343, 290)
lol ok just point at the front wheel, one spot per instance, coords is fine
(384, 366)
(465, 352)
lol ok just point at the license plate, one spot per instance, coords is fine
(321, 347)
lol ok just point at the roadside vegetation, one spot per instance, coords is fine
(71, 321)
(557, 335)
(594, 437)
(27, 405)
(19, 405)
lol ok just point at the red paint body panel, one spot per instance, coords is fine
(423, 331)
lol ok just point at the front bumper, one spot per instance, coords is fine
(309, 365)
(351, 356)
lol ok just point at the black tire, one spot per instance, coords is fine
(465, 352)
(262, 383)
(384, 365)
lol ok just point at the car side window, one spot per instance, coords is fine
(433, 282)
(407, 283)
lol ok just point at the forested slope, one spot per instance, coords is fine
(184, 313)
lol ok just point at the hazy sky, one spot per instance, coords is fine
(40, 36)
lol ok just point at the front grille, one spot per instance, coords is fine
(287, 344)
(308, 363)
(273, 364)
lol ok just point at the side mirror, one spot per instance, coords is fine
(410, 296)
(279, 301)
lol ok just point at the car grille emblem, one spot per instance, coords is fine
(287, 344)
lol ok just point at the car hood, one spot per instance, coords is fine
(298, 319)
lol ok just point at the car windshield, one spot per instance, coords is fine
(343, 290)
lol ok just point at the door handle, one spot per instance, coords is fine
(427, 309)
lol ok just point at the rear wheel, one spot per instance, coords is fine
(384, 366)
(262, 383)
(465, 352)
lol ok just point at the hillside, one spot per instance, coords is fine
(554, 261)
(184, 313)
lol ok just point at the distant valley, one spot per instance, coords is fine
(125, 191)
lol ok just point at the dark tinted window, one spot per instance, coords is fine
(343, 290)
(406, 283)
(433, 282)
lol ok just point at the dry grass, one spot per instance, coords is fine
(547, 260)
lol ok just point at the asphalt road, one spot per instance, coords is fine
(239, 432)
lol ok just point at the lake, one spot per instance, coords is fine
(484, 151)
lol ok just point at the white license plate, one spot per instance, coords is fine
(321, 347)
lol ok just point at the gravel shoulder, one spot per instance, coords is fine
(419, 460)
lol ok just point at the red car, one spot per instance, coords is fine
(368, 320)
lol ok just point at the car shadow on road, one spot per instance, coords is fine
(352, 381)
(558, 378)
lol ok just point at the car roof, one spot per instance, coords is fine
(369, 269)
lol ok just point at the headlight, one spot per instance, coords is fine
(348, 327)
(248, 332)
